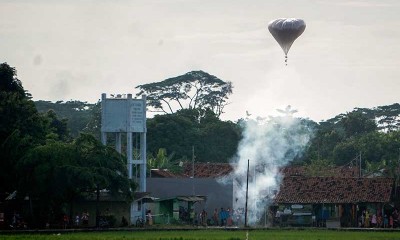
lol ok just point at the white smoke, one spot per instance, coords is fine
(269, 146)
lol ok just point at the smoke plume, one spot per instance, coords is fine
(269, 145)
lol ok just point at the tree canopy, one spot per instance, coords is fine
(75, 114)
(21, 126)
(193, 90)
(213, 140)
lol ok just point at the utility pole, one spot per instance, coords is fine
(193, 157)
(396, 179)
(247, 193)
(360, 165)
(193, 161)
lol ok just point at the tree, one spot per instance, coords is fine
(57, 127)
(21, 126)
(93, 126)
(161, 161)
(174, 132)
(104, 169)
(319, 168)
(49, 176)
(357, 123)
(213, 140)
(9, 81)
(193, 90)
(76, 114)
(56, 174)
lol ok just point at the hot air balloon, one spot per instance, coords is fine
(285, 31)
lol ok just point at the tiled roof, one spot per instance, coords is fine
(207, 170)
(165, 173)
(201, 170)
(334, 190)
(214, 170)
(333, 172)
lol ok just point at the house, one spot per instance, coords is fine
(182, 190)
(333, 201)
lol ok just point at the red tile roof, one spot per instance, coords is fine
(215, 170)
(165, 173)
(207, 170)
(201, 170)
(334, 190)
(333, 172)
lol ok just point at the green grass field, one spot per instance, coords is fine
(211, 235)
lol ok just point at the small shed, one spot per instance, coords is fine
(175, 209)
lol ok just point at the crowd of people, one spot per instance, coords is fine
(78, 221)
(385, 220)
(221, 217)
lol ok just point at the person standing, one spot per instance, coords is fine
(395, 215)
(222, 216)
(373, 221)
(85, 218)
(149, 218)
(385, 221)
(379, 220)
(77, 219)
(367, 218)
(204, 218)
(363, 219)
(192, 216)
(228, 217)
(215, 217)
(391, 221)
(65, 221)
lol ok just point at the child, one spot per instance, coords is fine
(77, 218)
(385, 221)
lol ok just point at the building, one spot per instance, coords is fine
(198, 187)
(333, 201)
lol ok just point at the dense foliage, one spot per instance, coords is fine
(358, 134)
(373, 133)
(41, 162)
(76, 114)
(213, 140)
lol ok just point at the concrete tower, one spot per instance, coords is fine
(120, 115)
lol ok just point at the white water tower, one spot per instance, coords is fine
(123, 115)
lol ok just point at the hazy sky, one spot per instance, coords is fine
(347, 57)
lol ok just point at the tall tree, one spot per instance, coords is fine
(68, 171)
(9, 81)
(196, 89)
(21, 126)
(48, 175)
(104, 169)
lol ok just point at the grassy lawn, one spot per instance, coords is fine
(213, 234)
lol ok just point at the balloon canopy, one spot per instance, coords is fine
(286, 31)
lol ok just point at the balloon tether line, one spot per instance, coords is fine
(286, 58)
